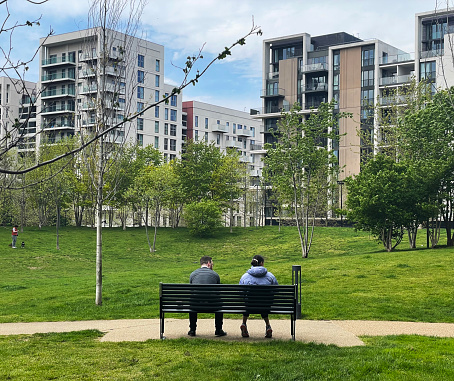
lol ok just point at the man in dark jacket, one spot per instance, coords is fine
(205, 275)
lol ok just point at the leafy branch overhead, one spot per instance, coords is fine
(187, 80)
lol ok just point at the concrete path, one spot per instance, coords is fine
(342, 333)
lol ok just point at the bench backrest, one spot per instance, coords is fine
(227, 298)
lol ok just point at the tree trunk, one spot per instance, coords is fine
(99, 204)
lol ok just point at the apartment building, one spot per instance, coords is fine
(227, 128)
(96, 77)
(355, 73)
(17, 102)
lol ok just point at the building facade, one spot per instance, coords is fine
(17, 102)
(96, 77)
(227, 128)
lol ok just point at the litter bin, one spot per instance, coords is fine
(296, 279)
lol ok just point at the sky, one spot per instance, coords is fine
(183, 27)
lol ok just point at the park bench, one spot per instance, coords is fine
(228, 299)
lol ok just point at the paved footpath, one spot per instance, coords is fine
(343, 333)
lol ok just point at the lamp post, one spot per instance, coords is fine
(341, 183)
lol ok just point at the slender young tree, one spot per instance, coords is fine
(301, 165)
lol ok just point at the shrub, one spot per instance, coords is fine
(203, 218)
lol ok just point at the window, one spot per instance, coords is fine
(206, 122)
(166, 114)
(156, 81)
(158, 65)
(140, 92)
(140, 76)
(156, 142)
(253, 132)
(156, 95)
(156, 111)
(121, 103)
(173, 130)
(140, 124)
(206, 136)
(139, 106)
(234, 128)
(336, 82)
(218, 139)
(240, 126)
(367, 78)
(166, 128)
(367, 97)
(140, 60)
(173, 115)
(428, 70)
(173, 145)
(166, 143)
(140, 139)
(196, 136)
(367, 57)
(173, 100)
(196, 121)
(156, 127)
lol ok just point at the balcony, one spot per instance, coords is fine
(272, 92)
(431, 53)
(54, 61)
(243, 132)
(219, 128)
(87, 73)
(397, 100)
(395, 80)
(245, 159)
(397, 58)
(58, 125)
(88, 56)
(314, 67)
(273, 75)
(58, 93)
(58, 77)
(254, 173)
(233, 144)
(256, 147)
(315, 87)
(56, 109)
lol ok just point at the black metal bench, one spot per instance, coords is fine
(228, 299)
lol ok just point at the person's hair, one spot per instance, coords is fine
(205, 260)
(257, 260)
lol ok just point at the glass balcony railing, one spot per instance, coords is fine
(58, 60)
(314, 67)
(58, 108)
(57, 76)
(396, 58)
(394, 80)
(59, 92)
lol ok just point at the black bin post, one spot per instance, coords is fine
(296, 279)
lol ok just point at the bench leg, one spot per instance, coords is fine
(293, 326)
(161, 326)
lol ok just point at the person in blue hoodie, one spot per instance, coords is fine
(257, 275)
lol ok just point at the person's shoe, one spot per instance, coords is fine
(13, 247)
(244, 332)
(269, 332)
(220, 332)
(191, 333)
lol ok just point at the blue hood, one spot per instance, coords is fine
(258, 275)
(257, 271)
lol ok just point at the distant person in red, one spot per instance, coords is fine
(14, 235)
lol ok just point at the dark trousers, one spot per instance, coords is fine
(218, 320)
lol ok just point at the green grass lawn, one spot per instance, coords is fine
(347, 276)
